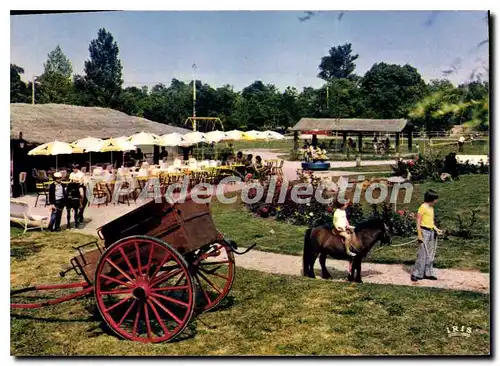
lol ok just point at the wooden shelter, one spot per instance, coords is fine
(43, 123)
(32, 125)
(357, 126)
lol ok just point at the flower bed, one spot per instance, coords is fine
(314, 212)
(432, 166)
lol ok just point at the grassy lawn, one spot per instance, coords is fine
(366, 168)
(298, 316)
(478, 147)
(459, 197)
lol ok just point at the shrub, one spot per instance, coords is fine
(466, 226)
(433, 164)
(400, 223)
(315, 213)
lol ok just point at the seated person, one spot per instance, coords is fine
(319, 155)
(341, 226)
(144, 171)
(139, 155)
(108, 174)
(163, 163)
(249, 161)
(163, 153)
(76, 175)
(239, 158)
(259, 168)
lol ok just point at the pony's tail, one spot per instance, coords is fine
(306, 254)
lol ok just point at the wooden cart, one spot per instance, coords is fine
(159, 263)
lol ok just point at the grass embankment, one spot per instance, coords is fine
(458, 197)
(263, 315)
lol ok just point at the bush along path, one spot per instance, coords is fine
(394, 274)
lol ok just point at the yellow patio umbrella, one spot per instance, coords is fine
(253, 135)
(110, 145)
(55, 148)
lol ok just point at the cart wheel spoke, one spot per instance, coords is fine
(163, 261)
(158, 318)
(162, 278)
(119, 269)
(172, 315)
(175, 301)
(205, 293)
(213, 285)
(128, 263)
(210, 263)
(148, 325)
(136, 320)
(138, 257)
(212, 273)
(215, 275)
(114, 280)
(117, 292)
(127, 312)
(169, 288)
(117, 304)
(154, 307)
(150, 258)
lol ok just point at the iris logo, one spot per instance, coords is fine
(456, 331)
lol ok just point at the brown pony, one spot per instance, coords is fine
(321, 241)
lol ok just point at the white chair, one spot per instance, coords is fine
(177, 163)
(20, 214)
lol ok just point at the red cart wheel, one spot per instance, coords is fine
(144, 290)
(214, 273)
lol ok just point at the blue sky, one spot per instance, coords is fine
(237, 48)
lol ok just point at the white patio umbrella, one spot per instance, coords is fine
(195, 137)
(234, 135)
(54, 148)
(85, 143)
(273, 135)
(171, 139)
(144, 138)
(215, 136)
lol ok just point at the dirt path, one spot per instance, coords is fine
(371, 272)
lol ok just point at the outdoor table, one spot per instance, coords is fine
(49, 182)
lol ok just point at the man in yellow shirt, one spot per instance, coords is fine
(427, 230)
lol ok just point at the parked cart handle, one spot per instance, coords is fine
(246, 250)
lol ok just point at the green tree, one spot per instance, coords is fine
(343, 99)
(103, 71)
(134, 101)
(56, 78)
(338, 64)
(19, 92)
(289, 107)
(389, 91)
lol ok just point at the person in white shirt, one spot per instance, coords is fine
(163, 163)
(108, 173)
(461, 141)
(341, 226)
(77, 175)
(144, 171)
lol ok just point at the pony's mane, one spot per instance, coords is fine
(369, 224)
